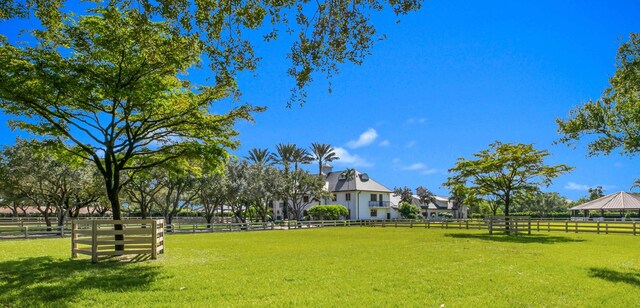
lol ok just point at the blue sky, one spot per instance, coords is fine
(448, 81)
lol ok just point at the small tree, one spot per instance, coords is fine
(303, 189)
(405, 194)
(425, 196)
(504, 171)
(408, 210)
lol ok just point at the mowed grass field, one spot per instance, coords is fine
(357, 266)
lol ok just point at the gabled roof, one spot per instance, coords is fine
(618, 201)
(362, 182)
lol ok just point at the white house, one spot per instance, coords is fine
(435, 209)
(362, 196)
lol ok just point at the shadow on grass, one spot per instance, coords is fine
(632, 278)
(525, 239)
(45, 281)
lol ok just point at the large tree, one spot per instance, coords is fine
(504, 171)
(107, 87)
(612, 121)
(105, 79)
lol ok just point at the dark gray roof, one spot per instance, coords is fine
(359, 183)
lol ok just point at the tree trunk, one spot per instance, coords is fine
(113, 195)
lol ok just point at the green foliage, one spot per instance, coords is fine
(542, 204)
(425, 196)
(405, 194)
(611, 122)
(408, 210)
(503, 173)
(595, 193)
(324, 33)
(330, 212)
(107, 87)
(323, 153)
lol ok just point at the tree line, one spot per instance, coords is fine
(58, 185)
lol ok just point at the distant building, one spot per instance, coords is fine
(364, 197)
(441, 207)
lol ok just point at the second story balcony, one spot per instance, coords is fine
(379, 203)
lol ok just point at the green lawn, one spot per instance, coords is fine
(357, 266)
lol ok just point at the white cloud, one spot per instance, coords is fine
(429, 171)
(585, 187)
(414, 120)
(617, 165)
(416, 166)
(420, 167)
(396, 160)
(384, 143)
(365, 139)
(576, 186)
(351, 160)
(410, 144)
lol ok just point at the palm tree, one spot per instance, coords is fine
(300, 156)
(323, 152)
(284, 155)
(260, 157)
(349, 175)
(636, 184)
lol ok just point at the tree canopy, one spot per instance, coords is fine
(323, 33)
(108, 88)
(612, 121)
(502, 173)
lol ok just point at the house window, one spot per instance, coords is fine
(347, 197)
(374, 197)
(334, 197)
(305, 199)
(374, 213)
(271, 204)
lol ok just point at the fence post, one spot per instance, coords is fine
(26, 231)
(154, 239)
(74, 239)
(548, 226)
(490, 225)
(566, 226)
(576, 227)
(411, 223)
(466, 224)
(516, 220)
(61, 230)
(94, 241)
(634, 228)
(446, 224)
(529, 226)
(428, 224)
(194, 228)
(606, 227)
(538, 225)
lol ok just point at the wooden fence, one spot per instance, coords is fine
(26, 229)
(97, 238)
(509, 224)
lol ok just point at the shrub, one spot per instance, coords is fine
(408, 210)
(331, 211)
